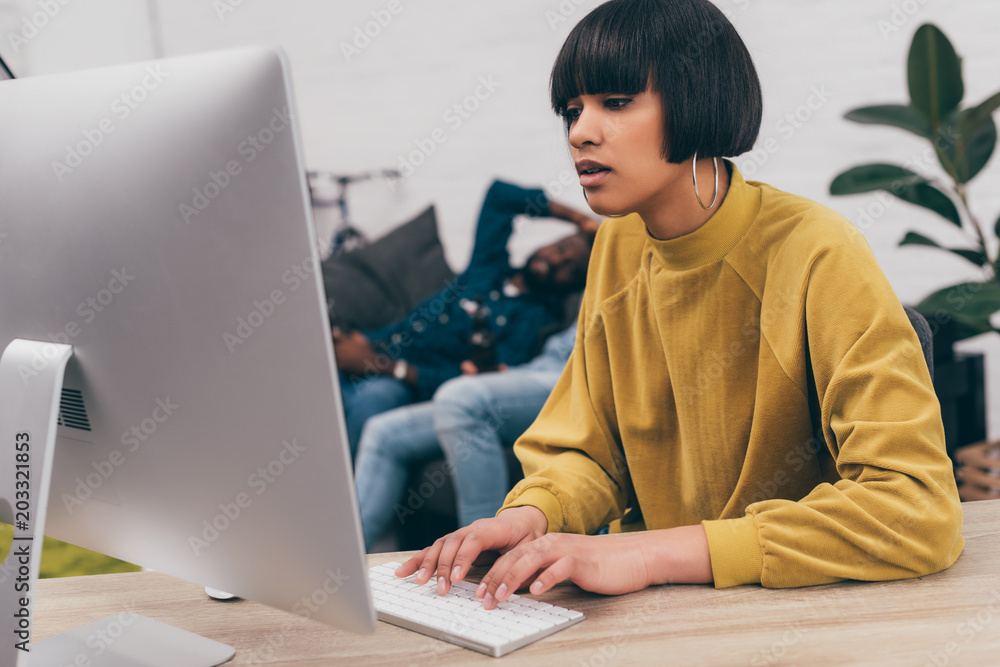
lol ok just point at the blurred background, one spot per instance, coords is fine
(454, 93)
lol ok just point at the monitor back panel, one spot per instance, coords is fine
(155, 217)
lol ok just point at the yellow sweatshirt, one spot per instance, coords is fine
(685, 401)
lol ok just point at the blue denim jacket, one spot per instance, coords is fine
(435, 336)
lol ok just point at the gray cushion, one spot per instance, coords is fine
(381, 283)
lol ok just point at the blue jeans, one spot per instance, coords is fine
(475, 418)
(368, 397)
(471, 419)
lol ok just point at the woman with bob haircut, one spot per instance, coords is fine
(747, 401)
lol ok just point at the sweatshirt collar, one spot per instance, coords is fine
(720, 234)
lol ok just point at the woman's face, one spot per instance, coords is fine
(621, 137)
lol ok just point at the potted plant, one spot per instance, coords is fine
(962, 140)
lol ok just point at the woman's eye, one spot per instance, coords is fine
(569, 115)
(617, 102)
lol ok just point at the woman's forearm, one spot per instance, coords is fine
(676, 555)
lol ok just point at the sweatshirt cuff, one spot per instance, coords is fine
(734, 547)
(541, 498)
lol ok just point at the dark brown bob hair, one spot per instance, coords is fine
(687, 51)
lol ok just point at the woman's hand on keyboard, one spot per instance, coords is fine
(607, 564)
(479, 543)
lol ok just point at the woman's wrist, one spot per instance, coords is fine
(533, 518)
(676, 555)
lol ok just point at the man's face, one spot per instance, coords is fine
(560, 267)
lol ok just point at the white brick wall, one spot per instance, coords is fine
(368, 112)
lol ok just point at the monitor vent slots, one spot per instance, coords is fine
(72, 411)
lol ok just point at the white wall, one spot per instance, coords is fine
(367, 111)
(44, 36)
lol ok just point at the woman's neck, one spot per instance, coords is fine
(677, 212)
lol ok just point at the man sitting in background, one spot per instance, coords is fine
(409, 360)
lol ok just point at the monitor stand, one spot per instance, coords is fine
(31, 379)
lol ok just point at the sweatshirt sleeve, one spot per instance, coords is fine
(895, 512)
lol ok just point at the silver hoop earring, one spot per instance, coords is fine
(694, 176)
(620, 215)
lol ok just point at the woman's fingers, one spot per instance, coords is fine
(429, 563)
(449, 569)
(518, 566)
(482, 540)
(478, 548)
(558, 572)
(451, 556)
(411, 565)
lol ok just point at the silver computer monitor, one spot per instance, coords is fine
(155, 217)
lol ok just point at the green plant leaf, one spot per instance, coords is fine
(978, 115)
(913, 238)
(871, 177)
(902, 183)
(896, 115)
(976, 257)
(935, 75)
(926, 195)
(974, 135)
(966, 146)
(969, 304)
(996, 228)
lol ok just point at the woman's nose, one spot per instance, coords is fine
(585, 130)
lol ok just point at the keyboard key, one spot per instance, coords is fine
(537, 623)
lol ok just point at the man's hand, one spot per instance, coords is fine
(469, 368)
(979, 471)
(587, 225)
(354, 353)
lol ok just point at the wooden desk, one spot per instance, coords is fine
(951, 618)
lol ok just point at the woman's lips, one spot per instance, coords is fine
(589, 180)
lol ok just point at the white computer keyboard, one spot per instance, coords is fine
(458, 616)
